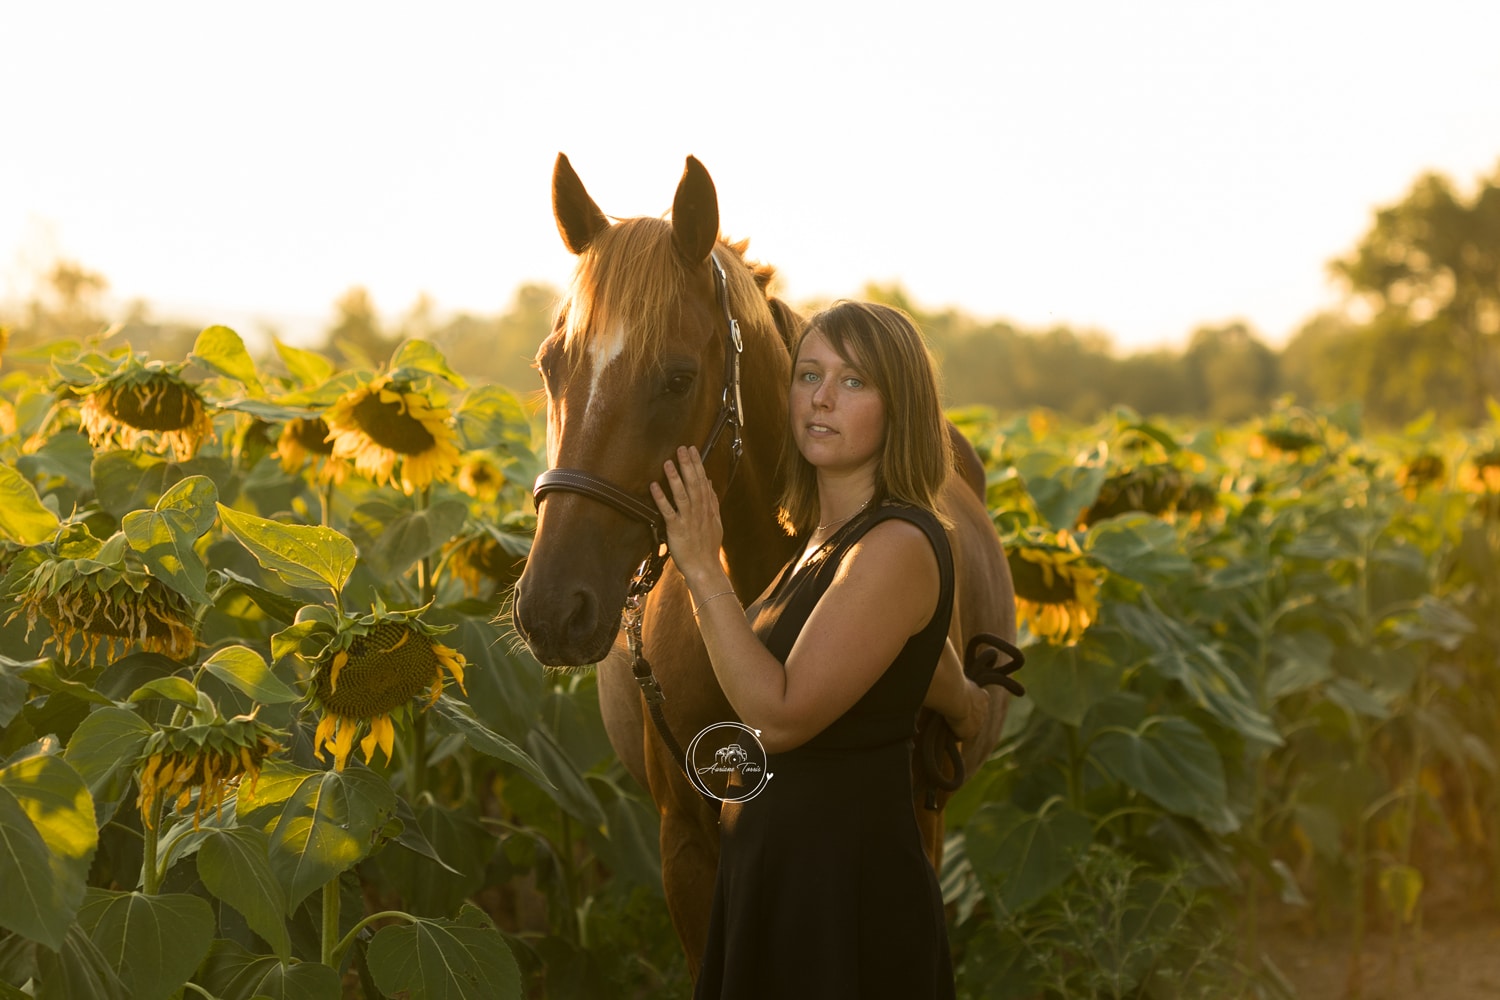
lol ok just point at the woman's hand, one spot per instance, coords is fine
(694, 531)
(954, 696)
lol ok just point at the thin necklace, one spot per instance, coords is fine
(824, 527)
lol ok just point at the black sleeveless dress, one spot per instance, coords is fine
(823, 889)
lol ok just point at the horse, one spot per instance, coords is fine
(655, 311)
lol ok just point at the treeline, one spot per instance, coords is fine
(1419, 331)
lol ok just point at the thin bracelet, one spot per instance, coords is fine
(722, 593)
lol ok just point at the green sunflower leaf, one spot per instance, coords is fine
(566, 786)
(1063, 682)
(232, 973)
(171, 688)
(43, 674)
(488, 742)
(327, 825)
(155, 942)
(1171, 761)
(308, 367)
(103, 750)
(77, 971)
(1062, 489)
(492, 416)
(220, 349)
(125, 480)
(23, 519)
(244, 668)
(235, 865)
(1021, 856)
(48, 829)
(419, 356)
(165, 535)
(303, 555)
(463, 959)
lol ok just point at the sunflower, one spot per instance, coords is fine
(480, 477)
(475, 557)
(386, 422)
(1057, 588)
(1283, 440)
(381, 671)
(207, 757)
(1154, 488)
(307, 439)
(1423, 470)
(1481, 474)
(103, 595)
(145, 403)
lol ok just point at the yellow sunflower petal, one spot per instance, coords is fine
(339, 659)
(343, 742)
(327, 726)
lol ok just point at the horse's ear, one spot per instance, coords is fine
(578, 218)
(695, 214)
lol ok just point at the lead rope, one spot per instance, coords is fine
(632, 620)
(938, 738)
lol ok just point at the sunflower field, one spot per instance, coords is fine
(262, 734)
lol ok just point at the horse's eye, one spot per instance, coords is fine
(678, 385)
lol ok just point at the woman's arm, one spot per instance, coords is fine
(885, 591)
(955, 697)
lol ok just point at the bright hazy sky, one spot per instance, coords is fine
(1136, 168)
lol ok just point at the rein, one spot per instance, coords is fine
(731, 417)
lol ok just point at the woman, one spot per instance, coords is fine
(823, 889)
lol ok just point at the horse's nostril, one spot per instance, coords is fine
(583, 617)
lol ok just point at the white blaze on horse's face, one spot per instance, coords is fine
(590, 411)
(603, 352)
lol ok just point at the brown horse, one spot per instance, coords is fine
(632, 370)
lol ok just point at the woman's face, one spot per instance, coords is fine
(838, 417)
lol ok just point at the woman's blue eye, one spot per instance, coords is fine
(854, 383)
(809, 376)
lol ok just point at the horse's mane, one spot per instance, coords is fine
(630, 277)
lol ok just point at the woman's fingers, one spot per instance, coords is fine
(688, 489)
(662, 503)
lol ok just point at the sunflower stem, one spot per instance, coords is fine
(151, 876)
(419, 753)
(331, 923)
(421, 501)
(348, 939)
(325, 499)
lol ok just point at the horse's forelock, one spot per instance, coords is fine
(631, 279)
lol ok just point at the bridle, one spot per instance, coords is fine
(731, 417)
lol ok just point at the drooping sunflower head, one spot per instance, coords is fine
(206, 757)
(389, 423)
(306, 440)
(1285, 438)
(480, 477)
(1057, 586)
(481, 560)
(148, 406)
(102, 595)
(372, 673)
(1423, 470)
(1481, 474)
(1200, 497)
(1154, 488)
